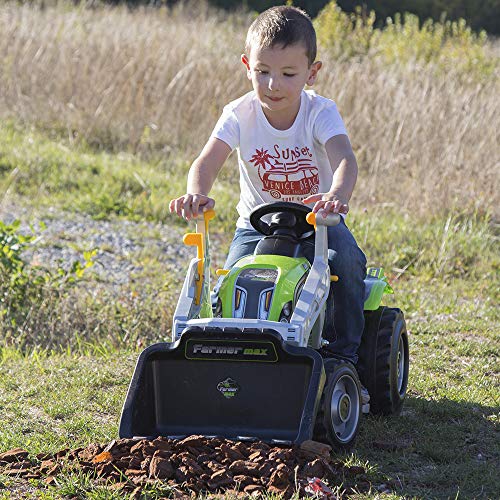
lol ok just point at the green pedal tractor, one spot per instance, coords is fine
(245, 361)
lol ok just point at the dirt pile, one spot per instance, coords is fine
(193, 465)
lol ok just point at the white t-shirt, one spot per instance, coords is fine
(279, 165)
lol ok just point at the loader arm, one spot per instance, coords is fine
(194, 300)
(309, 308)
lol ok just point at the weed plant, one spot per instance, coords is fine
(29, 293)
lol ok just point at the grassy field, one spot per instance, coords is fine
(98, 140)
(444, 270)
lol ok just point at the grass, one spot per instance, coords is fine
(67, 390)
(53, 172)
(444, 444)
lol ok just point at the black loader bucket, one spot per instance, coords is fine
(228, 382)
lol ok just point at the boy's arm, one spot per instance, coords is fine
(201, 178)
(345, 174)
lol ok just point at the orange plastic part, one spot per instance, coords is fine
(196, 240)
(311, 218)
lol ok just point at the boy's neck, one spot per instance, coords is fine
(282, 120)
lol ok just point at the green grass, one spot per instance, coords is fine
(444, 270)
(51, 171)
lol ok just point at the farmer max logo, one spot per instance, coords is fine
(287, 173)
(228, 388)
(213, 350)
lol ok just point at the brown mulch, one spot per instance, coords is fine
(194, 465)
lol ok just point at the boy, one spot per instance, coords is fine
(292, 146)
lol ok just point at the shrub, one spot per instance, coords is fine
(404, 40)
(345, 35)
(24, 287)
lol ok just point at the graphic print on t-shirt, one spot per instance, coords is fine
(287, 173)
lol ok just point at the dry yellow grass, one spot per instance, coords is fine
(157, 80)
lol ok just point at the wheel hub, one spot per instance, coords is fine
(344, 407)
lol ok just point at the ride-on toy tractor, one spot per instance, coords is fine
(245, 362)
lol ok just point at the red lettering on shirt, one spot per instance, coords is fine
(287, 172)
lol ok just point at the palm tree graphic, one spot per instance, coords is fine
(261, 157)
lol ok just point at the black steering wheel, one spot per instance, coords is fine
(286, 218)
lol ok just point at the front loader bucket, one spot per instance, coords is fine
(228, 382)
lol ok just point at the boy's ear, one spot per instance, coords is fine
(244, 60)
(313, 72)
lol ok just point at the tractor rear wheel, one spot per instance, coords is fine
(338, 417)
(384, 361)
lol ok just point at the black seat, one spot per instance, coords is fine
(279, 244)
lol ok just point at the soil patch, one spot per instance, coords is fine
(195, 465)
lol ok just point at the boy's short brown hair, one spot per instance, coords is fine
(283, 25)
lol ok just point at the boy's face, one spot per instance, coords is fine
(278, 75)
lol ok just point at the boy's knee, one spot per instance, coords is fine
(347, 260)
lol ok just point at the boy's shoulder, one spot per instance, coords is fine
(317, 100)
(246, 101)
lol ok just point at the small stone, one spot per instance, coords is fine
(245, 467)
(25, 464)
(286, 492)
(231, 453)
(256, 455)
(134, 472)
(130, 462)
(140, 480)
(54, 470)
(182, 474)
(116, 486)
(193, 441)
(136, 494)
(243, 480)
(220, 478)
(214, 466)
(88, 453)
(73, 454)
(314, 468)
(266, 468)
(160, 468)
(241, 448)
(144, 448)
(120, 447)
(161, 443)
(13, 455)
(315, 448)
(280, 478)
(252, 489)
(105, 469)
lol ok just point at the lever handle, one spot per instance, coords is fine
(318, 219)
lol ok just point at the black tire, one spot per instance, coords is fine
(384, 360)
(337, 421)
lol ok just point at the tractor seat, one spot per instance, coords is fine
(279, 244)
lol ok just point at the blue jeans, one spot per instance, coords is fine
(348, 262)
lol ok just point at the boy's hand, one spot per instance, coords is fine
(327, 203)
(190, 205)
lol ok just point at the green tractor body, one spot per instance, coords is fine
(246, 362)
